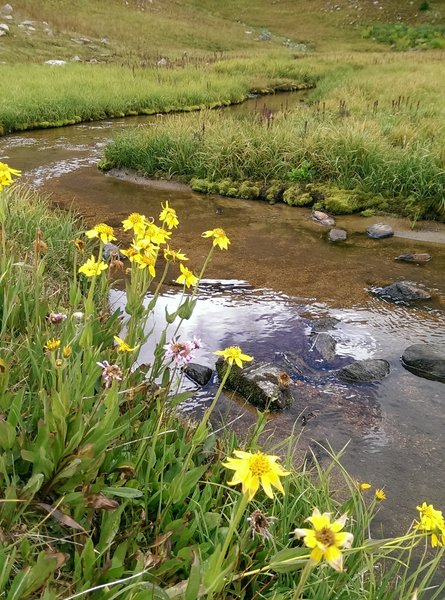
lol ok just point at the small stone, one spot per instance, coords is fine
(402, 291)
(198, 373)
(425, 360)
(2, 33)
(55, 63)
(420, 258)
(380, 231)
(337, 235)
(365, 371)
(7, 9)
(322, 218)
(4, 27)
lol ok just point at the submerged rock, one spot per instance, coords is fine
(402, 291)
(198, 373)
(380, 230)
(337, 235)
(419, 259)
(325, 324)
(365, 371)
(322, 218)
(425, 360)
(326, 346)
(264, 385)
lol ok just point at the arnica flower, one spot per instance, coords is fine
(92, 268)
(136, 222)
(219, 238)
(156, 235)
(173, 255)
(364, 486)
(233, 354)
(380, 495)
(146, 261)
(180, 352)
(52, 344)
(188, 278)
(6, 174)
(253, 470)
(326, 539)
(102, 231)
(168, 216)
(432, 520)
(110, 373)
(122, 346)
(67, 351)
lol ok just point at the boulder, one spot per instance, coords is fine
(380, 230)
(264, 385)
(419, 259)
(425, 360)
(365, 371)
(198, 373)
(322, 218)
(337, 235)
(7, 9)
(325, 345)
(402, 291)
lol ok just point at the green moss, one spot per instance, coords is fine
(232, 192)
(224, 186)
(249, 191)
(200, 185)
(295, 195)
(274, 192)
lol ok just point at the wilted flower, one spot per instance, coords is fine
(253, 470)
(80, 246)
(56, 318)
(380, 495)
(219, 237)
(102, 231)
(284, 380)
(122, 346)
(180, 352)
(188, 278)
(173, 255)
(52, 344)
(325, 539)
(78, 316)
(196, 343)
(6, 174)
(110, 373)
(433, 521)
(260, 523)
(168, 216)
(92, 268)
(233, 354)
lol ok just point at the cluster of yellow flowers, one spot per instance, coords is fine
(6, 174)
(432, 521)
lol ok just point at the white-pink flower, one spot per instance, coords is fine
(180, 352)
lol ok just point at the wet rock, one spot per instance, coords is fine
(337, 235)
(322, 218)
(7, 9)
(325, 324)
(326, 346)
(420, 258)
(425, 360)
(55, 63)
(264, 385)
(380, 231)
(198, 373)
(365, 371)
(402, 291)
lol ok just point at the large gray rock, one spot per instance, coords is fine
(326, 345)
(419, 259)
(7, 9)
(425, 360)
(365, 371)
(337, 235)
(198, 373)
(380, 230)
(402, 291)
(322, 218)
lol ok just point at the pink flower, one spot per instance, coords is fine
(110, 373)
(180, 352)
(56, 318)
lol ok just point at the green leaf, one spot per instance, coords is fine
(194, 581)
(289, 559)
(182, 485)
(7, 435)
(123, 492)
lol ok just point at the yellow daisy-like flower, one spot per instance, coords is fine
(122, 346)
(52, 344)
(219, 237)
(156, 235)
(433, 521)
(364, 486)
(380, 494)
(67, 351)
(136, 222)
(6, 174)
(146, 261)
(130, 253)
(233, 354)
(168, 216)
(188, 278)
(92, 268)
(253, 470)
(173, 255)
(102, 231)
(326, 539)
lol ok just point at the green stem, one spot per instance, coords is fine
(205, 419)
(234, 521)
(303, 579)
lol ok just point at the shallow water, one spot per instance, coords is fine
(293, 276)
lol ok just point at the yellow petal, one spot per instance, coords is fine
(316, 555)
(334, 557)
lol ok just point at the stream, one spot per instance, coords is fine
(278, 278)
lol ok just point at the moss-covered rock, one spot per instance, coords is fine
(249, 191)
(295, 195)
(224, 186)
(200, 185)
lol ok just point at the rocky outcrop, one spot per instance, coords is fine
(365, 371)
(425, 360)
(380, 230)
(402, 292)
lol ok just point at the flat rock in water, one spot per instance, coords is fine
(420, 258)
(326, 345)
(324, 324)
(380, 230)
(337, 235)
(264, 385)
(322, 218)
(402, 291)
(198, 373)
(365, 371)
(425, 360)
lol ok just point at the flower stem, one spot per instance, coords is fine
(303, 579)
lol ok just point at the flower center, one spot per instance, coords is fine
(259, 464)
(325, 536)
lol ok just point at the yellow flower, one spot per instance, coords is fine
(52, 344)
(432, 520)
(219, 237)
(146, 261)
(233, 354)
(186, 277)
(174, 255)
(130, 253)
(6, 174)
(92, 268)
(156, 235)
(136, 222)
(325, 539)
(122, 346)
(168, 216)
(380, 495)
(364, 486)
(253, 470)
(67, 351)
(102, 231)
